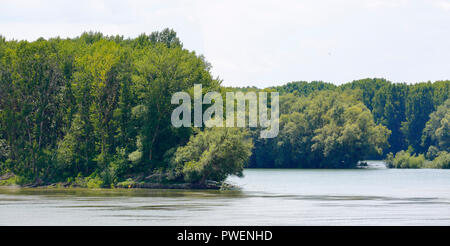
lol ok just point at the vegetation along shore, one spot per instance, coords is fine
(95, 111)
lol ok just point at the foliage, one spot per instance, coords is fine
(437, 129)
(303, 88)
(96, 110)
(402, 108)
(67, 106)
(214, 154)
(4, 152)
(442, 160)
(324, 130)
(404, 159)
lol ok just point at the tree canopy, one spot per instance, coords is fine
(99, 107)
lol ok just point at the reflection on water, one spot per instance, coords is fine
(370, 196)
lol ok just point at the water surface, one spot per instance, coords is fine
(371, 196)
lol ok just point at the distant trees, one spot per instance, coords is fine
(419, 105)
(403, 109)
(368, 88)
(32, 105)
(436, 136)
(97, 109)
(442, 160)
(324, 130)
(388, 108)
(405, 159)
(94, 106)
(437, 130)
(303, 88)
(4, 152)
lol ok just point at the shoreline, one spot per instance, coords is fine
(209, 185)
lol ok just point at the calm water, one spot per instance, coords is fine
(373, 196)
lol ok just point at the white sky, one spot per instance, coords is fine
(265, 43)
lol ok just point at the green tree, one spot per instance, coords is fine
(437, 129)
(419, 105)
(32, 88)
(389, 109)
(160, 72)
(213, 154)
(328, 130)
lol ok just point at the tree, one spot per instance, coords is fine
(98, 108)
(419, 105)
(31, 107)
(160, 72)
(326, 130)
(213, 154)
(437, 129)
(303, 88)
(4, 153)
(167, 36)
(368, 88)
(389, 105)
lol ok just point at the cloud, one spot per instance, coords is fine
(442, 4)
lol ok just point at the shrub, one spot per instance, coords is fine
(95, 182)
(214, 154)
(442, 160)
(404, 159)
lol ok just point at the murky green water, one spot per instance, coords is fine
(374, 196)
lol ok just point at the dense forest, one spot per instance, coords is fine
(95, 111)
(415, 115)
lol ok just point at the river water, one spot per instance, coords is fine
(370, 196)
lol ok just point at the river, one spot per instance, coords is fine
(370, 196)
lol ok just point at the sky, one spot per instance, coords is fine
(266, 42)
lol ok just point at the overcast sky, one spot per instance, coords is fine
(264, 43)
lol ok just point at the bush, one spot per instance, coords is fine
(442, 160)
(15, 180)
(95, 182)
(404, 159)
(432, 152)
(214, 154)
(4, 152)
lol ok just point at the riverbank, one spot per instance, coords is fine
(10, 179)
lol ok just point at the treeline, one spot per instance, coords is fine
(327, 129)
(436, 136)
(414, 114)
(96, 110)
